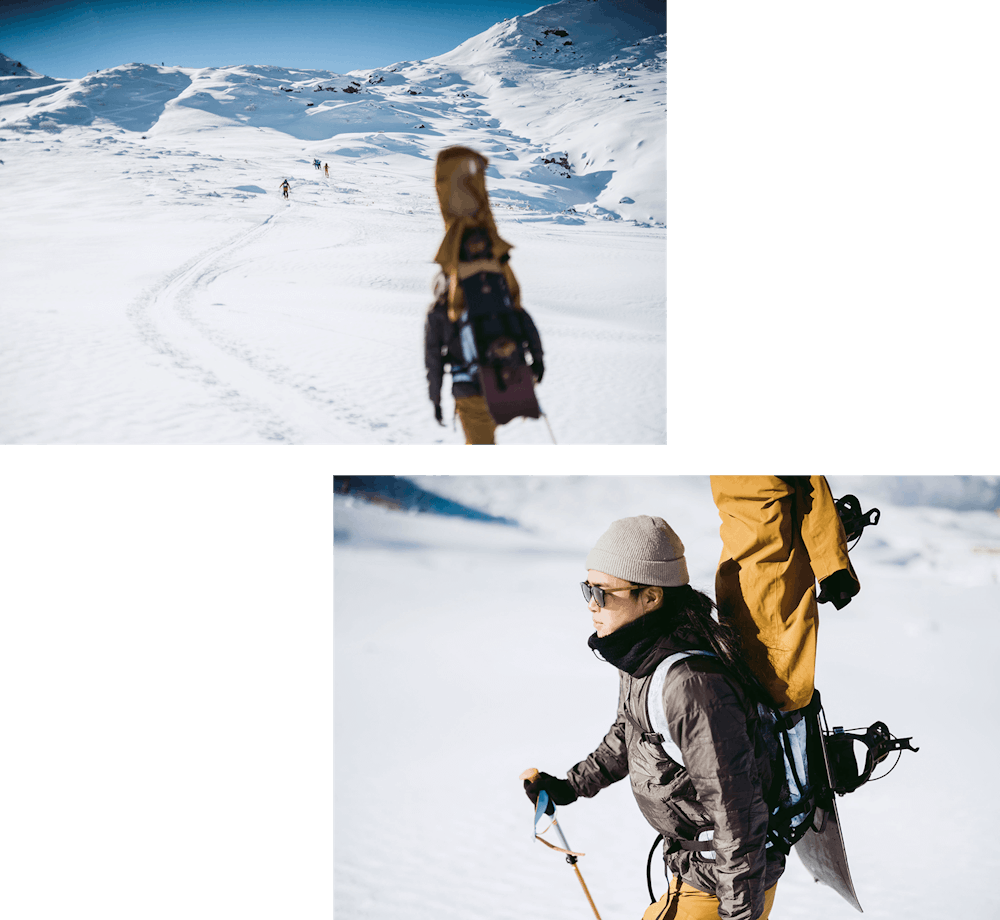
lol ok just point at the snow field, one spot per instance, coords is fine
(461, 659)
(162, 291)
(297, 321)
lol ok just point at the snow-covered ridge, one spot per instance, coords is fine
(192, 303)
(570, 33)
(11, 68)
(569, 103)
(18, 81)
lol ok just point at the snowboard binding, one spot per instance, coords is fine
(878, 741)
(853, 518)
(835, 772)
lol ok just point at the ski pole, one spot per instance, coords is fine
(530, 775)
(547, 425)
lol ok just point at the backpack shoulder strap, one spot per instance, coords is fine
(654, 701)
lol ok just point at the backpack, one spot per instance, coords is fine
(492, 334)
(791, 794)
(809, 763)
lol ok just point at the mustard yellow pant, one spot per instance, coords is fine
(682, 902)
(477, 423)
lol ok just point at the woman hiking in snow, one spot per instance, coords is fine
(471, 244)
(685, 733)
(284, 188)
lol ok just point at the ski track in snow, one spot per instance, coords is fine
(241, 378)
(307, 325)
(166, 324)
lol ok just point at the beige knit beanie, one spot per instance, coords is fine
(643, 550)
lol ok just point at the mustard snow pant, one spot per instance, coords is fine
(477, 423)
(778, 537)
(683, 902)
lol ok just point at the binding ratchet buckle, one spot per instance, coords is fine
(853, 518)
(878, 742)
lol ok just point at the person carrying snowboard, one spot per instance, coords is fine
(780, 534)
(706, 797)
(285, 188)
(473, 258)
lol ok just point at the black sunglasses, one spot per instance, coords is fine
(597, 593)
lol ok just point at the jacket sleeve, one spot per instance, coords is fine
(823, 533)
(607, 765)
(433, 360)
(708, 723)
(531, 336)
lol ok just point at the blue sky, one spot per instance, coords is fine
(70, 39)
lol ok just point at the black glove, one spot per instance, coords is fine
(437, 414)
(537, 369)
(838, 589)
(560, 792)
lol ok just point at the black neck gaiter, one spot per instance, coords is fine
(633, 648)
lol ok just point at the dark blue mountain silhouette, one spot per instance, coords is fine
(403, 495)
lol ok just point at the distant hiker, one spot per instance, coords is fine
(780, 534)
(491, 381)
(285, 187)
(326, 169)
(686, 731)
(316, 163)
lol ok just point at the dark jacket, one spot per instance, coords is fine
(442, 348)
(719, 788)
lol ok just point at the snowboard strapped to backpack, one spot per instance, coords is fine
(493, 333)
(809, 764)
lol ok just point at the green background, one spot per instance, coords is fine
(167, 719)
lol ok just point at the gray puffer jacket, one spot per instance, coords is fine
(716, 795)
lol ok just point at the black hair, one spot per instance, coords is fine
(688, 609)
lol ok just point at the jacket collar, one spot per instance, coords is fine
(638, 647)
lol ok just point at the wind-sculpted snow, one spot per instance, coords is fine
(11, 68)
(19, 84)
(237, 316)
(963, 493)
(477, 639)
(132, 97)
(572, 33)
(599, 109)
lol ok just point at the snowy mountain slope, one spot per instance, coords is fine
(595, 76)
(476, 666)
(11, 68)
(160, 290)
(19, 84)
(483, 84)
(15, 75)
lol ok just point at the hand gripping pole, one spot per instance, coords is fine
(530, 775)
